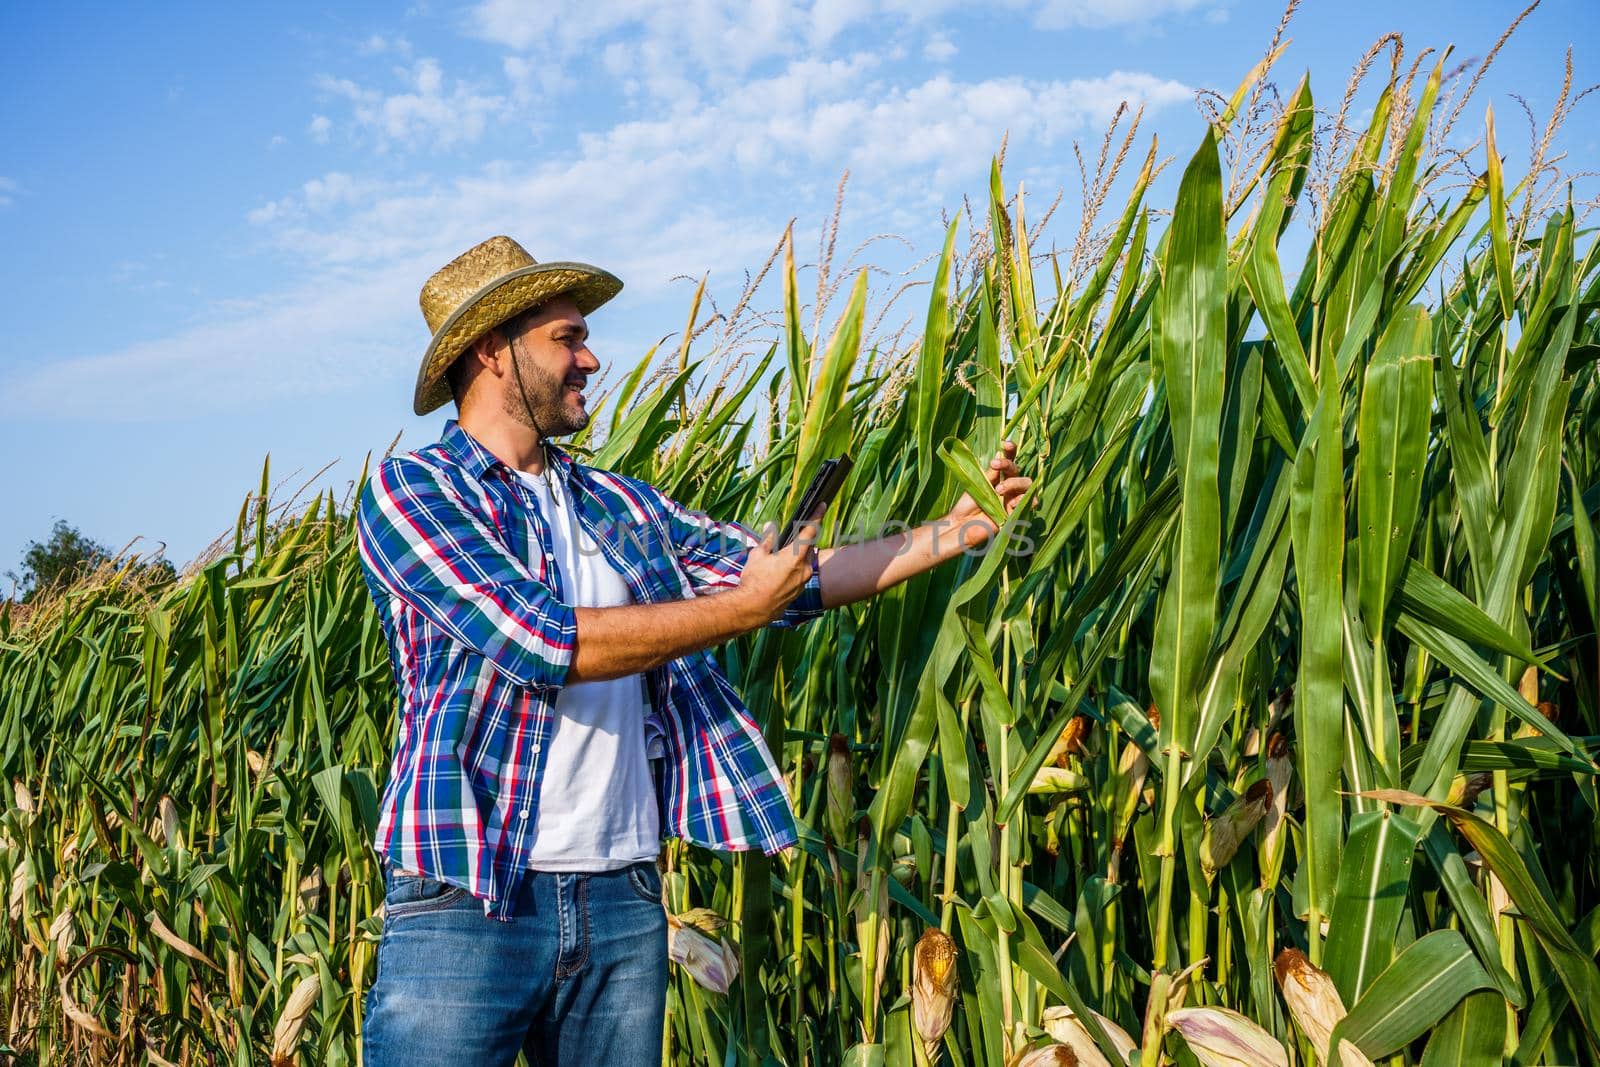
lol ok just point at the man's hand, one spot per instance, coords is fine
(968, 520)
(633, 638)
(771, 579)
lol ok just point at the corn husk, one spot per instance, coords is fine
(1133, 766)
(1225, 833)
(1047, 1056)
(1070, 743)
(1280, 775)
(711, 962)
(872, 921)
(63, 933)
(22, 880)
(934, 985)
(23, 796)
(292, 1021)
(171, 825)
(1065, 1027)
(1052, 780)
(705, 920)
(1219, 1037)
(310, 890)
(1314, 1005)
(1167, 994)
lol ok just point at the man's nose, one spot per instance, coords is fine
(588, 362)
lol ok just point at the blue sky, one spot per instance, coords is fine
(216, 218)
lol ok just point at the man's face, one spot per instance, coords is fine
(552, 353)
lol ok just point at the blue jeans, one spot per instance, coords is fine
(578, 977)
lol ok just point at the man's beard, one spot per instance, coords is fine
(547, 398)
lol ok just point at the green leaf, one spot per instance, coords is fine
(1317, 531)
(1374, 875)
(1470, 908)
(1393, 425)
(1470, 473)
(1263, 273)
(1551, 1005)
(1190, 343)
(1428, 979)
(1532, 898)
(930, 357)
(827, 394)
(1484, 679)
(960, 461)
(1472, 1035)
(952, 747)
(1431, 601)
(864, 1056)
(1500, 241)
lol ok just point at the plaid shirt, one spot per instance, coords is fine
(458, 559)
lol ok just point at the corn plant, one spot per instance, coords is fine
(1263, 732)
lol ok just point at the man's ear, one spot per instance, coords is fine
(485, 352)
(480, 355)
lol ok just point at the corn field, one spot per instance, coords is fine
(1266, 735)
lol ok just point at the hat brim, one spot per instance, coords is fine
(504, 298)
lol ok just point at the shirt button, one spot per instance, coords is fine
(536, 747)
(523, 813)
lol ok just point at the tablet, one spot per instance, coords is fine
(818, 495)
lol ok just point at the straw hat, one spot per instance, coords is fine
(483, 287)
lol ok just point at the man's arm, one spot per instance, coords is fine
(420, 541)
(726, 560)
(627, 640)
(857, 571)
(714, 553)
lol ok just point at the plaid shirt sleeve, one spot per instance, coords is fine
(421, 541)
(713, 554)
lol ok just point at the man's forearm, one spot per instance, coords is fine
(614, 642)
(857, 571)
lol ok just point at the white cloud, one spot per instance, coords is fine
(667, 51)
(803, 125)
(1061, 14)
(529, 78)
(428, 115)
(379, 44)
(7, 190)
(938, 48)
(318, 196)
(728, 37)
(519, 24)
(701, 176)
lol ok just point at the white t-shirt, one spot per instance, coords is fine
(597, 799)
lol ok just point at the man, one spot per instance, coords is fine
(549, 626)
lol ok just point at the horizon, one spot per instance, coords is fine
(255, 224)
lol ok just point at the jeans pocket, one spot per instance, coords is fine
(646, 881)
(409, 894)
